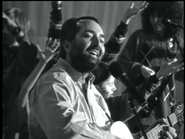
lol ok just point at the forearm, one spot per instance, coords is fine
(116, 40)
(132, 68)
(130, 57)
(30, 82)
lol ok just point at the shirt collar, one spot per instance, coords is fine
(74, 74)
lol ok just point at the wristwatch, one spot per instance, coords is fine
(16, 31)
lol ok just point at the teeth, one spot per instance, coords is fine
(94, 53)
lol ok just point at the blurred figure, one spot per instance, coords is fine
(104, 81)
(19, 59)
(148, 54)
(106, 87)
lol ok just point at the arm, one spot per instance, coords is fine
(51, 47)
(27, 50)
(128, 58)
(117, 38)
(55, 112)
(17, 32)
(112, 47)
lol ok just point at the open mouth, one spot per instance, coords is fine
(94, 53)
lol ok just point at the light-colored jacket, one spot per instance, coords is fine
(65, 105)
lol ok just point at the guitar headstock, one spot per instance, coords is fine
(178, 109)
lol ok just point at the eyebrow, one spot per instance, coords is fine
(94, 32)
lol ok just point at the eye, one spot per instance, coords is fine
(88, 35)
(102, 41)
(111, 84)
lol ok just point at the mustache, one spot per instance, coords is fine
(92, 47)
(95, 48)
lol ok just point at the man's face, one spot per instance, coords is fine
(107, 87)
(88, 46)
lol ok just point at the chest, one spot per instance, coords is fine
(154, 52)
(87, 104)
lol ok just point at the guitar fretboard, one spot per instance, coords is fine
(173, 119)
(154, 133)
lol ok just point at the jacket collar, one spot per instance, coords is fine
(74, 74)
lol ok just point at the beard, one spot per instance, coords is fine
(83, 63)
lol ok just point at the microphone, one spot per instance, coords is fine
(167, 22)
(117, 70)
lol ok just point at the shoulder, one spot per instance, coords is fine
(55, 75)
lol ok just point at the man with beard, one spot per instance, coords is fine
(65, 103)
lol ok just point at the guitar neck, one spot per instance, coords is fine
(154, 132)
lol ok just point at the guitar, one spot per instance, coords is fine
(175, 117)
(120, 130)
(157, 89)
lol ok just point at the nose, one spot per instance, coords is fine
(114, 88)
(96, 41)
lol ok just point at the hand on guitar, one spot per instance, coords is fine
(167, 132)
(147, 72)
(169, 68)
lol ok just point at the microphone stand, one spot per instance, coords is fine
(133, 108)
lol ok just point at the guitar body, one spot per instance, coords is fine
(120, 130)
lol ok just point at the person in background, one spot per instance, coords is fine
(106, 85)
(19, 59)
(147, 52)
(112, 49)
(19, 111)
(104, 81)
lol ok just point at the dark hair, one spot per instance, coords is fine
(172, 10)
(69, 30)
(19, 18)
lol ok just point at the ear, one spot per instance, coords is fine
(67, 46)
